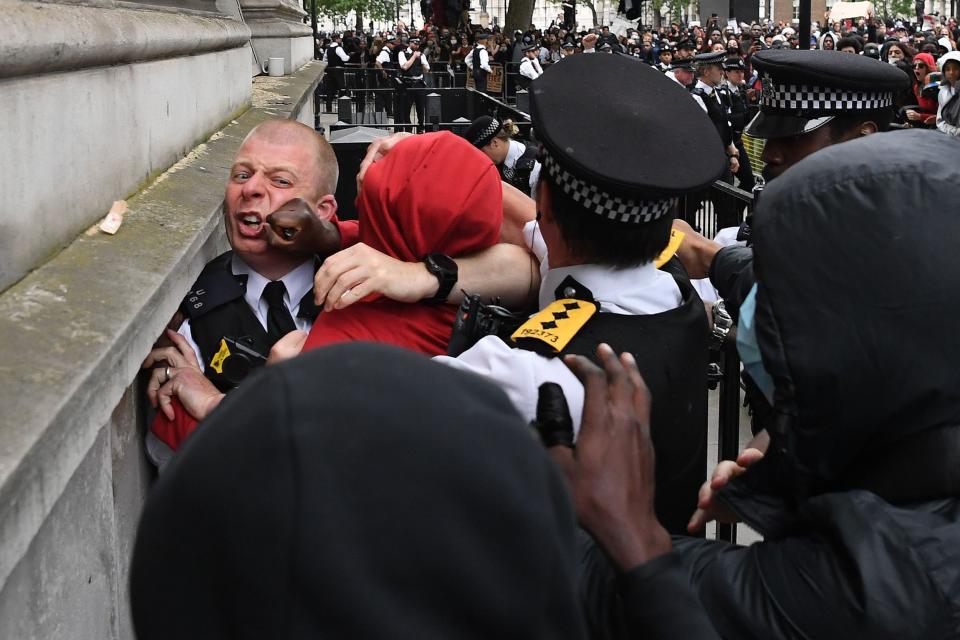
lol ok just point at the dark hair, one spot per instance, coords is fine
(840, 125)
(849, 42)
(601, 241)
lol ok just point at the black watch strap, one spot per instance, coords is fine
(445, 270)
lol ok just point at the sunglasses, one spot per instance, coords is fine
(919, 65)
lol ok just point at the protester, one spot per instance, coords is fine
(846, 525)
(948, 112)
(926, 112)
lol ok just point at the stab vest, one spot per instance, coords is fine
(477, 71)
(671, 352)
(416, 67)
(219, 314)
(519, 175)
(717, 114)
(333, 60)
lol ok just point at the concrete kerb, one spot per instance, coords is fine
(74, 331)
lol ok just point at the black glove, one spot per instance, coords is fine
(553, 421)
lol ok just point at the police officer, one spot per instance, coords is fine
(388, 63)
(733, 96)
(811, 99)
(478, 62)
(412, 67)
(530, 68)
(666, 57)
(603, 224)
(335, 58)
(515, 160)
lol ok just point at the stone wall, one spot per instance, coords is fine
(97, 100)
(74, 328)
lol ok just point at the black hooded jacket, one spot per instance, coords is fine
(858, 496)
(362, 491)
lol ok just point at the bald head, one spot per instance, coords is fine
(293, 133)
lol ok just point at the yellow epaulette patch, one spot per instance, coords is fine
(676, 238)
(557, 324)
(217, 362)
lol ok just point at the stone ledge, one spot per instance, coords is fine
(42, 37)
(75, 330)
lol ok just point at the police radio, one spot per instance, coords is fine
(475, 320)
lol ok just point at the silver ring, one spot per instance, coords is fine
(166, 372)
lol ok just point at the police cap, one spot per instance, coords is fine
(714, 57)
(734, 63)
(804, 90)
(482, 130)
(584, 142)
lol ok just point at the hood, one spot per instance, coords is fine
(857, 304)
(358, 491)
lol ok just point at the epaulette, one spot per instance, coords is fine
(676, 238)
(551, 330)
(215, 286)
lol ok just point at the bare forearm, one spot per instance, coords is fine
(504, 270)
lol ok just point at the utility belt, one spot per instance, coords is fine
(412, 79)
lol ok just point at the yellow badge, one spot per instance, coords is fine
(217, 363)
(676, 237)
(556, 325)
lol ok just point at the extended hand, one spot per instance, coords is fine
(359, 271)
(611, 475)
(708, 507)
(289, 346)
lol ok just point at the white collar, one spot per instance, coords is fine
(514, 151)
(703, 85)
(298, 282)
(633, 290)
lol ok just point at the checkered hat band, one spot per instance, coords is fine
(812, 98)
(602, 203)
(485, 136)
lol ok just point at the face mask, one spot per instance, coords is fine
(748, 348)
(893, 61)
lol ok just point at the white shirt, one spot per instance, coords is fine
(340, 54)
(635, 291)
(673, 77)
(298, 283)
(406, 55)
(590, 50)
(531, 68)
(514, 151)
(384, 56)
(484, 59)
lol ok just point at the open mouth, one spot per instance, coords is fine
(250, 225)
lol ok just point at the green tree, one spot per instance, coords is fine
(519, 15)
(365, 9)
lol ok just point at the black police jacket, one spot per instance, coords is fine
(671, 352)
(519, 175)
(231, 340)
(717, 114)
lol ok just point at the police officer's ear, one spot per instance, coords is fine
(326, 207)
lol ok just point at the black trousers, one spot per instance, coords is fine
(412, 95)
(480, 81)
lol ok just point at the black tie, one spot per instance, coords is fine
(279, 320)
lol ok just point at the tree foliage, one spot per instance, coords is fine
(380, 10)
(519, 15)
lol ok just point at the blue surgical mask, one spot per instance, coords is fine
(748, 348)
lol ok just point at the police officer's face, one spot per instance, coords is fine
(265, 175)
(735, 77)
(780, 154)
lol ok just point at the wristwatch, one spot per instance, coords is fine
(445, 270)
(722, 323)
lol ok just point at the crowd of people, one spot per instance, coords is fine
(480, 409)
(526, 53)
